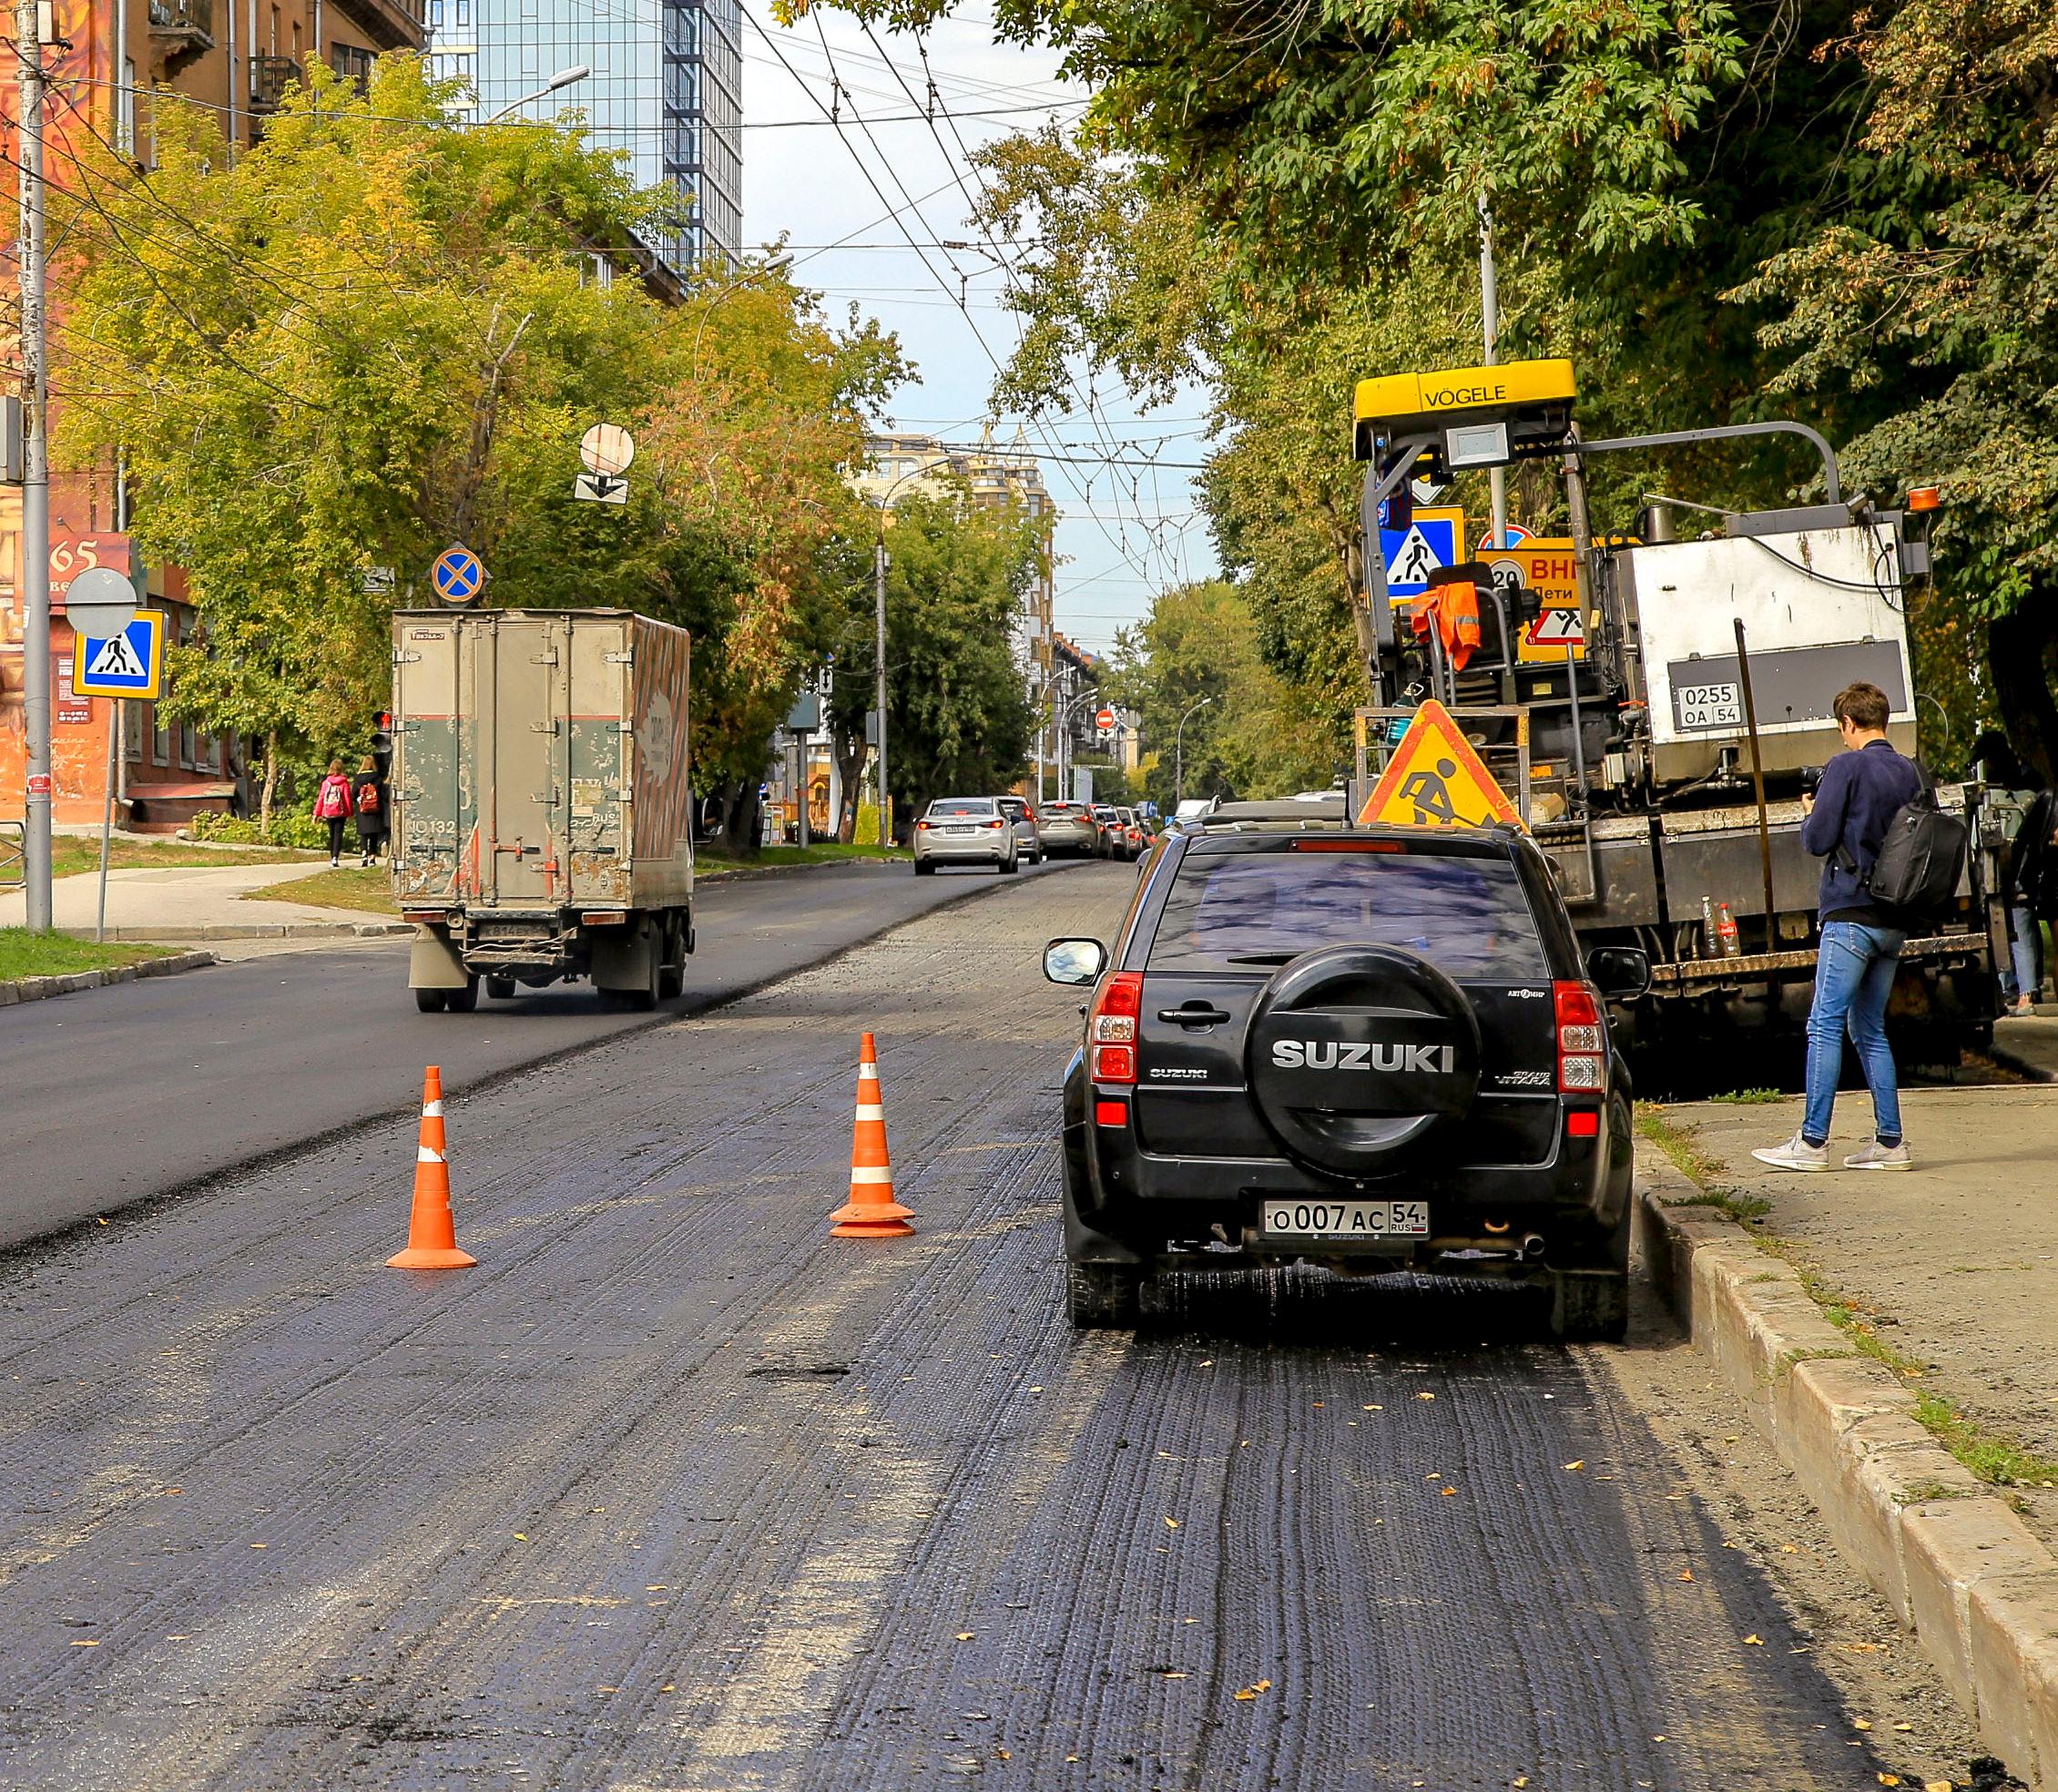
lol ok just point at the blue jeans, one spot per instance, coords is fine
(2029, 974)
(1854, 975)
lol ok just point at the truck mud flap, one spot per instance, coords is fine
(433, 963)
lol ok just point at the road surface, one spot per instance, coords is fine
(118, 1094)
(675, 1492)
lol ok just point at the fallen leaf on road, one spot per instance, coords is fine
(1256, 1687)
(1176, 1674)
(1375, 1408)
(1580, 1464)
(1938, 1786)
(259, 1546)
(1789, 1549)
(1425, 1396)
(1904, 1727)
(1755, 1640)
(668, 1688)
(965, 1635)
(521, 1536)
(1173, 1523)
(1686, 1573)
(81, 1644)
(1861, 1723)
(659, 1587)
(1449, 1491)
(1520, 1779)
(1889, 1779)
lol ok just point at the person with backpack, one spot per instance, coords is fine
(333, 804)
(368, 797)
(1864, 794)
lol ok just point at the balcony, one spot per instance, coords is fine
(391, 25)
(270, 77)
(181, 31)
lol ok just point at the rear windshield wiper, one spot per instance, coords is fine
(1263, 958)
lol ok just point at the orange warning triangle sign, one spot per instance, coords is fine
(1435, 780)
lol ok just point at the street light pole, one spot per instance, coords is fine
(1179, 755)
(879, 667)
(35, 475)
(565, 77)
(1490, 320)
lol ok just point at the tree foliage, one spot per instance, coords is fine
(373, 335)
(1248, 732)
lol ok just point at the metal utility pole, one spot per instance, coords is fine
(36, 479)
(879, 667)
(1179, 755)
(1490, 317)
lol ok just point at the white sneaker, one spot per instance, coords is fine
(1877, 1156)
(1796, 1154)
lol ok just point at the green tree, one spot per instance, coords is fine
(373, 334)
(1248, 733)
(958, 714)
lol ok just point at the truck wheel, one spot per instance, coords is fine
(462, 1000)
(1102, 1296)
(502, 989)
(671, 973)
(430, 1001)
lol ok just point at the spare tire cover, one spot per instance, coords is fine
(1355, 1054)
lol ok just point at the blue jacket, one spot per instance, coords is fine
(1859, 795)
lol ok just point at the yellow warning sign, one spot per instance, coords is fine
(1435, 780)
(1547, 573)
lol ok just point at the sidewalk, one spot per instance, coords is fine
(1952, 1266)
(195, 903)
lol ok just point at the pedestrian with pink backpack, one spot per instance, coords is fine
(333, 804)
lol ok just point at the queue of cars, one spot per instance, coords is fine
(1006, 832)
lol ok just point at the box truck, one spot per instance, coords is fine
(542, 806)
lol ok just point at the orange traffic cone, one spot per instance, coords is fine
(871, 1211)
(432, 1242)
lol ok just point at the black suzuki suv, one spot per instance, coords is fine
(1372, 1048)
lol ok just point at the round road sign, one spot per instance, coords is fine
(607, 449)
(457, 578)
(100, 604)
(1104, 719)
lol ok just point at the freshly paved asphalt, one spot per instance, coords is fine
(673, 1491)
(117, 1094)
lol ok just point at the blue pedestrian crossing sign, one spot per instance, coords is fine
(1435, 538)
(457, 578)
(130, 664)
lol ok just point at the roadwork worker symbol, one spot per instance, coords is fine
(1429, 794)
(1436, 778)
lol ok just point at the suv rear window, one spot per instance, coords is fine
(1468, 916)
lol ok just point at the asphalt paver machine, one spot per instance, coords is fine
(1658, 717)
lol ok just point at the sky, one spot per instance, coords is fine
(1125, 533)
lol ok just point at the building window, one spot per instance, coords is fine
(435, 14)
(463, 10)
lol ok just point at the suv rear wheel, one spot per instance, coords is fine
(1100, 1297)
(1591, 1306)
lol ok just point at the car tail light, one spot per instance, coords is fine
(1111, 1114)
(1582, 1040)
(1112, 1031)
(996, 824)
(920, 826)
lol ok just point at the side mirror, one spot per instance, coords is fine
(1622, 972)
(707, 822)
(1076, 963)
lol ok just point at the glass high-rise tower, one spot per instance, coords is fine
(666, 88)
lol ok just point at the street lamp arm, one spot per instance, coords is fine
(565, 77)
(1179, 754)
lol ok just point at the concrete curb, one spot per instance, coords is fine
(1960, 1569)
(287, 929)
(38, 989)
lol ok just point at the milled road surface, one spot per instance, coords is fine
(675, 1492)
(117, 1094)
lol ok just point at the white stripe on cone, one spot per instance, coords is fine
(880, 1174)
(871, 1111)
(866, 1074)
(422, 1155)
(433, 1110)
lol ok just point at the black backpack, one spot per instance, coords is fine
(1921, 857)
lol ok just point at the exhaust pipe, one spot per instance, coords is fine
(1533, 1247)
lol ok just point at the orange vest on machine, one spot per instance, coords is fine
(1452, 610)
